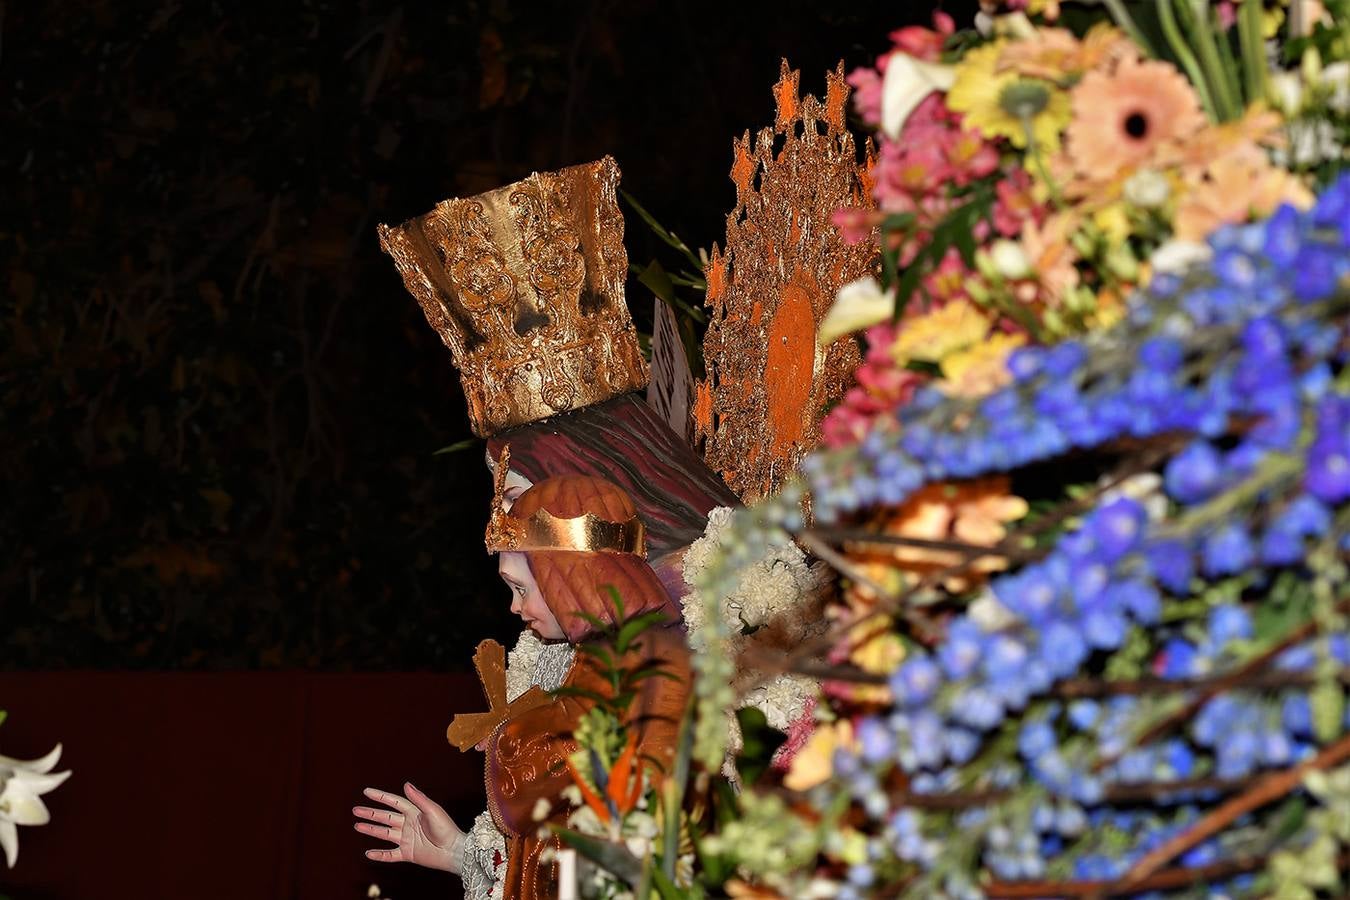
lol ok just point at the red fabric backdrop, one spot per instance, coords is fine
(231, 786)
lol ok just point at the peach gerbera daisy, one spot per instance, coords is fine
(1121, 119)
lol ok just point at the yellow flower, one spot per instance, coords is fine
(1005, 104)
(980, 369)
(814, 763)
(880, 652)
(933, 336)
(1114, 221)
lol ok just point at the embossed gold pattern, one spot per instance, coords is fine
(769, 383)
(524, 284)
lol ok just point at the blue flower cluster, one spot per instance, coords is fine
(1244, 361)
(1240, 346)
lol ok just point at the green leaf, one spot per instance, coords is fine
(574, 691)
(667, 236)
(666, 888)
(613, 858)
(595, 622)
(654, 673)
(759, 744)
(632, 628)
(599, 651)
(618, 603)
(457, 446)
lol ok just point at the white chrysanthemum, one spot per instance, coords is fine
(774, 607)
(783, 699)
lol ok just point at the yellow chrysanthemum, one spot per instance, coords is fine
(1004, 104)
(933, 336)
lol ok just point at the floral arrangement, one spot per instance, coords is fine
(776, 605)
(1089, 500)
(22, 784)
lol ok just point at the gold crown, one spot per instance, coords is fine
(586, 533)
(524, 284)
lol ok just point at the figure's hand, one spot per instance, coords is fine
(420, 829)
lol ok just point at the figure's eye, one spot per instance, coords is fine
(520, 590)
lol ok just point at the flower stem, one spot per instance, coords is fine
(1175, 40)
(1225, 102)
(1125, 22)
(1253, 55)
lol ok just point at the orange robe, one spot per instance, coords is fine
(525, 761)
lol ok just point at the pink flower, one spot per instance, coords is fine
(948, 281)
(1227, 11)
(925, 43)
(1014, 204)
(866, 84)
(855, 225)
(970, 157)
(882, 387)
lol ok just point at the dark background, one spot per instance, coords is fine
(218, 405)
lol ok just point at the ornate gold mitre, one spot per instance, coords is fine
(586, 533)
(524, 284)
(769, 381)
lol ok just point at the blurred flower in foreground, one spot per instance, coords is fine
(22, 784)
(815, 763)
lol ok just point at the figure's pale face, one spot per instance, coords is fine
(526, 600)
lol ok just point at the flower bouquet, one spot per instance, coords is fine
(1088, 502)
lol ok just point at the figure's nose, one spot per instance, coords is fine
(515, 603)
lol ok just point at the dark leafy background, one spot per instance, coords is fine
(219, 407)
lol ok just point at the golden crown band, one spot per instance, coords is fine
(581, 534)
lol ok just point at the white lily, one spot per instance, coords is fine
(22, 784)
(857, 305)
(908, 81)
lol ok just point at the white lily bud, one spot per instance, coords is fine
(1286, 92)
(907, 82)
(1009, 260)
(859, 304)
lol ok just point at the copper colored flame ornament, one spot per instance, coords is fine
(524, 284)
(769, 383)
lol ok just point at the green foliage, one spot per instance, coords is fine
(759, 742)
